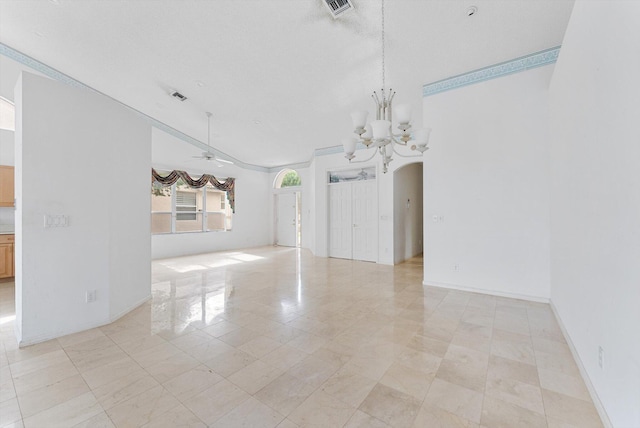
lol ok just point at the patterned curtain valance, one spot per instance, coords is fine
(227, 186)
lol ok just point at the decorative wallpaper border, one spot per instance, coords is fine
(534, 60)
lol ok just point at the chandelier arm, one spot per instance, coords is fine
(365, 160)
(397, 139)
(406, 156)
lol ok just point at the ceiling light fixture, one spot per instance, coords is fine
(378, 133)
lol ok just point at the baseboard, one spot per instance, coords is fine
(83, 327)
(538, 299)
(583, 372)
(50, 336)
(120, 314)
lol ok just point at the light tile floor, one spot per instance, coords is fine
(276, 337)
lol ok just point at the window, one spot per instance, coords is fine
(186, 206)
(181, 208)
(287, 178)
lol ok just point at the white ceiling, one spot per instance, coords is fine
(280, 76)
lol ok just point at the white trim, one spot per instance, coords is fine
(583, 371)
(83, 327)
(539, 299)
(120, 314)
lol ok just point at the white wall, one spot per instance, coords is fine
(595, 198)
(407, 212)
(85, 156)
(7, 150)
(486, 180)
(7, 157)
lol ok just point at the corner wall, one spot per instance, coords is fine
(486, 187)
(85, 156)
(595, 199)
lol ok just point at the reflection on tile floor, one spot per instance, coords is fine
(276, 337)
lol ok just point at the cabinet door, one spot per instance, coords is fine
(6, 260)
(6, 186)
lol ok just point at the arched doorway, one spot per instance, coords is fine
(287, 186)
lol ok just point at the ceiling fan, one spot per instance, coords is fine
(209, 155)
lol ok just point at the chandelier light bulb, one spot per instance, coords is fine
(349, 145)
(368, 133)
(359, 118)
(421, 136)
(403, 113)
(380, 129)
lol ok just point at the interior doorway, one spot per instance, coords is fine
(408, 229)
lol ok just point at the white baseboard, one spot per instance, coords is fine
(538, 299)
(82, 327)
(130, 308)
(583, 371)
(50, 336)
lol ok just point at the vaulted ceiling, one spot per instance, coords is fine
(279, 76)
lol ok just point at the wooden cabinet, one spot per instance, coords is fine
(6, 186)
(6, 256)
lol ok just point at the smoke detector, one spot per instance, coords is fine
(338, 7)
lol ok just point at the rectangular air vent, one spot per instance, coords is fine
(338, 7)
(178, 95)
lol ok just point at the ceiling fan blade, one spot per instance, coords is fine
(224, 161)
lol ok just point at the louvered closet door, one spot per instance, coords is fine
(353, 226)
(365, 225)
(340, 226)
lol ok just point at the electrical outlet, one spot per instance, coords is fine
(456, 267)
(56, 220)
(600, 357)
(92, 295)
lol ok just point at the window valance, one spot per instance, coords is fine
(226, 186)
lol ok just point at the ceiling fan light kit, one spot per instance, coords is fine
(378, 133)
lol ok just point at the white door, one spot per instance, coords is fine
(365, 225)
(353, 227)
(286, 226)
(340, 226)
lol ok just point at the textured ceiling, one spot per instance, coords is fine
(279, 76)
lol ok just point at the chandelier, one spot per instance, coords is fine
(378, 134)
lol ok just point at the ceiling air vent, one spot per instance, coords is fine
(338, 7)
(178, 95)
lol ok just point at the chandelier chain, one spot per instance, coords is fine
(383, 62)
